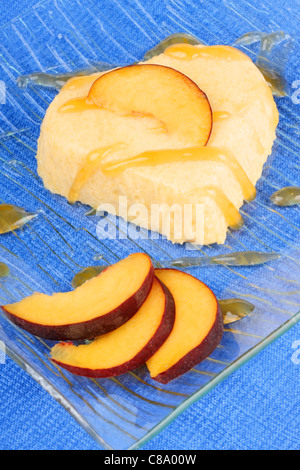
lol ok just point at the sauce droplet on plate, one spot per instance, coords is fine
(288, 196)
(235, 309)
(85, 274)
(4, 270)
(13, 217)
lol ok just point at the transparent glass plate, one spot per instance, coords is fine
(60, 36)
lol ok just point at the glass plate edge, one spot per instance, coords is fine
(217, 380)
(50, 388)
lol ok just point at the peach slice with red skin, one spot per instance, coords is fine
(102, 304)
(159, 92)
(127, 347)
(197, 331)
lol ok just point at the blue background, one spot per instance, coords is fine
(257, 407)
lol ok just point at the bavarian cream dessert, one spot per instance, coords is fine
(191, 126)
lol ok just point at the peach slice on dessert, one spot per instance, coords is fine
(127, 347)
(100, 305)
(160, 92)
(197, 331)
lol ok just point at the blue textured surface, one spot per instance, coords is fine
(258, 406)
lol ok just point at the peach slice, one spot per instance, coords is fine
(160, 92)
(100, 305)
(127, 347)
(197, 331)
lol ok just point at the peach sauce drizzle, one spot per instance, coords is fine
(96, 159)
(189, 52)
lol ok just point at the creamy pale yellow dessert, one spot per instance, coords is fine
(144, 136)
